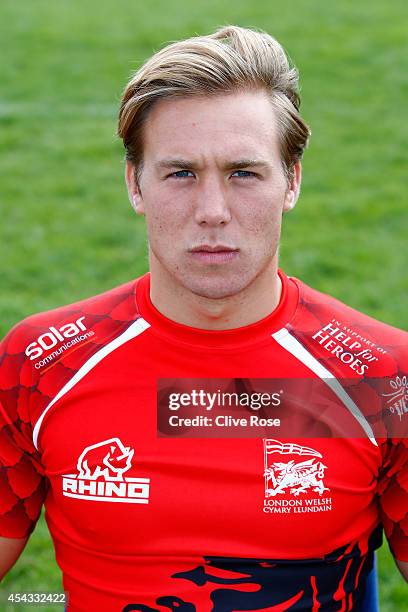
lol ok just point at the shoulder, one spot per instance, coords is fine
(321, 305)
(118, 302)
(37, 337)
(332, 326)
(358, 354)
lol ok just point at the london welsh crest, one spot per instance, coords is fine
(293, 476)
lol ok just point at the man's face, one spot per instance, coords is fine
(212, 178)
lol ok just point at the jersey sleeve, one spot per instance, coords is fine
(23, 486)
(393, 496)
(370, 359)
(393, 477)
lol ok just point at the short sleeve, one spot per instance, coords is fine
(23, 486)
(393, 496)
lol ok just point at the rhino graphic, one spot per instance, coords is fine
(109, 459)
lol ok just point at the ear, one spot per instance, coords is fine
(134, 193)
(293, 191)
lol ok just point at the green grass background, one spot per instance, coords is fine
(66, 228)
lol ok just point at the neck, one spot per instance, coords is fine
(250, 305)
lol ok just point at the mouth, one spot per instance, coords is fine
(213, 254)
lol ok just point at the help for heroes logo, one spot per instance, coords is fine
(349, 346)
(100, 475)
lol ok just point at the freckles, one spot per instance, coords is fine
(259, 224)
(265, 228)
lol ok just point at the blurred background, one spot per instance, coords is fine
(67, 230)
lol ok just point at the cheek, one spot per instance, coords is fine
(262, 216)
(164, 221)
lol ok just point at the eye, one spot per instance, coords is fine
(181, 174)
(244, 173)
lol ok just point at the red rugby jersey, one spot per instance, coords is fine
(142, 520)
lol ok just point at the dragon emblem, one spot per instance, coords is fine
(299, 476)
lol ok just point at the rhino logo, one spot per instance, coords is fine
(109, 459)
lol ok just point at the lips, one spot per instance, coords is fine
(213, 254)
(206, 248)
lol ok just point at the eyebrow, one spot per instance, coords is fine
(188, 165)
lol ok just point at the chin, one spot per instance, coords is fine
(215, 289)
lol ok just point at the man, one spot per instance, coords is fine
(147, 511)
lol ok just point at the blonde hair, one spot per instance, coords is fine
(231, 59)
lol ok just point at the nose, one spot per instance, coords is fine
(211, 205)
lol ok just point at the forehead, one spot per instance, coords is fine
(239, 124)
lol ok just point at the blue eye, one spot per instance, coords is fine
(181, 174)
(244, 173)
